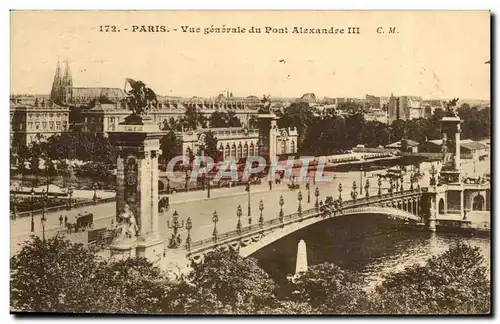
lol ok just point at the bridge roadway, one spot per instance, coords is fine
(196, 205)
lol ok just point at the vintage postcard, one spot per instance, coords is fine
(250, 162)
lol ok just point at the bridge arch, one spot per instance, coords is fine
(281, 232)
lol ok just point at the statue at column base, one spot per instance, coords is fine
(126, 229)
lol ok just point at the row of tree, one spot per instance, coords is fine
(328, 132)
(58, 276)
(194, 119)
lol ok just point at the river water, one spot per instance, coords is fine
(368, 244)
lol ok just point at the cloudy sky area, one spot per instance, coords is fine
(434, 55)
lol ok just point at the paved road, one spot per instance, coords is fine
(196, 205)
(225, 201)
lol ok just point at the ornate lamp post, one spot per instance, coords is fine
(433, 172)
(299, 198)
(187, 180)
(175, 240)
(44, 220)
(208, 189)
(249, 208)
(261, 218)
(70, 195)
(390, 186)
(281, 214)
(239, 212)
(308, 187)
(14, 207)
(379, 182)
(401, 183)
(367, 186)
(354, 193)
(316, 194)
(215, 219)
(340, 193)
(94, 186)
(361, 180)
(189, 226)
(32, 212)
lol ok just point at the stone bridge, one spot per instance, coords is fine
(403, 205)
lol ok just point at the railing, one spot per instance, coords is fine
(65, 207)
(257, 228)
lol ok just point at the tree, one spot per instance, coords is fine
(454, 282)
(54, 276)
(170, 146)
(51, 172)
(60, 276)
(227, 283)
(298, 114)
(193, 119)
(331, 290)
(210, 146)
(132, 286)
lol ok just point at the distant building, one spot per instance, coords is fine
(372, 102)
(405, 146)
(31, 120)
(237, 142)
(431, 105)
(63, 92)
(377, 115)
(405, 108)
(469, 149)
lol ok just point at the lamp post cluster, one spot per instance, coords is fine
(175, 240)
(367, 186)
(239, 212)
(379, 182)
(391, 184)
(340, 192)
(215, 233)
(189, 226)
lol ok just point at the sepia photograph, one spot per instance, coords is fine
(250, 162)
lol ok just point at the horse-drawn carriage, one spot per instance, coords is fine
(82, 222)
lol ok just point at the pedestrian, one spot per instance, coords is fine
(270, 185)
(66, 220)
(61, 220)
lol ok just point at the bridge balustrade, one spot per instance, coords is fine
(255, 229)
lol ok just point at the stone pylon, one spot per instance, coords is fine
(138, 140)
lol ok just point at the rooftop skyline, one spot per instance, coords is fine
(435, 54)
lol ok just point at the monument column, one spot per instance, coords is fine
(138, 138)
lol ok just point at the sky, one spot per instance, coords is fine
(433, 54)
